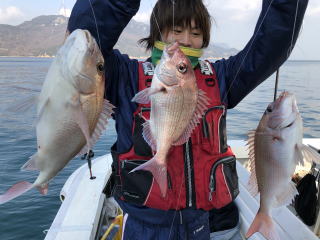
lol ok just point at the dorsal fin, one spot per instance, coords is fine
(252, 184)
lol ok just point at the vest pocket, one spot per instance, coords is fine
(212, 125)
(223, 182)
(231, 177)
(135, 186)
(140, 146)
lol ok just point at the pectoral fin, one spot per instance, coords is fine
(30, 165)
(23, 105)
(144, 95)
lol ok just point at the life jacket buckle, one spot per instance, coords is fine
(148, 68)
(205, 68)
(148, 82)
(210, 82)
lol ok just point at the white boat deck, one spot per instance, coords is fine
(79, 214)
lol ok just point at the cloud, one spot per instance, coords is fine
(313, 11)
(142, 17)
(10, 15)
(240, 10)
(65, 12)
(241, 5)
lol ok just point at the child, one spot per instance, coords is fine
(202, 177)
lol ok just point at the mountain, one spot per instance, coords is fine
(44, 34)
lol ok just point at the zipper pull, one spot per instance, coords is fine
(211, 187)
(210, 195)
(122, 163)
(205, 130)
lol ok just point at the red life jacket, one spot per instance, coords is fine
(201, 173)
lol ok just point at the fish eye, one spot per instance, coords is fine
(100, 67)
(182, 67)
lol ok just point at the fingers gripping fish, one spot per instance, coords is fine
(176, 106)
(71, 111)
(275, 148)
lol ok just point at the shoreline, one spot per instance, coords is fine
(27, 56)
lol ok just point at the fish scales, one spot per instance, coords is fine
(170, 120)
(71, 111)
(176, 106)
(275, 149)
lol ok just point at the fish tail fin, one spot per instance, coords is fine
(159, 172)
(15, 191)
(263, 223)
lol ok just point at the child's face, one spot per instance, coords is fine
(187, 37)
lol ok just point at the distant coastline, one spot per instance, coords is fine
(27, 56)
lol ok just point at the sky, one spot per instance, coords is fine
(234, 20)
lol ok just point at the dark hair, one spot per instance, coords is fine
(185, 11)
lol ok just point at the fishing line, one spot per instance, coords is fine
(95, 21)
(180, 189)
(276, 85)
(175, 213)
(154, 16)
(288, 53)
(250, 46)
(294, 28)
(172, 1)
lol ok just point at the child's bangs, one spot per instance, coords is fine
(183, 15)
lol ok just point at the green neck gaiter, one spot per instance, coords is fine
(192, 53)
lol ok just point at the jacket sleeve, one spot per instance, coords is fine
(105, 19)
(278, 26)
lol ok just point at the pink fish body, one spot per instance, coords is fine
(275, 148)
(176, 106)
(71, 111)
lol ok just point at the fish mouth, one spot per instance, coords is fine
(172, 48)
(91, 43)
(283, 111)
(88, 36)
(81, 57)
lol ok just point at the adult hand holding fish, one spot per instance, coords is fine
(275, 148)
(71, 111)
(176, 106)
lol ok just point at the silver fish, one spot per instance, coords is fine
(176, 106)
(71, 111)
(275, 148)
